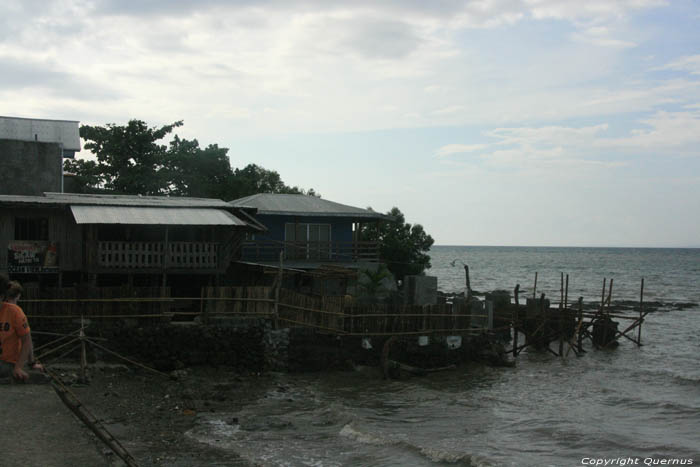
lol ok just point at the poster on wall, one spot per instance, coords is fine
(32, 257)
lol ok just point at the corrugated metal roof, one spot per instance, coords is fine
(21, 199)
(131, 200)
(59, 199)
(303, 205)
(152, 216)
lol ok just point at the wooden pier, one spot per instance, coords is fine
(536, 324)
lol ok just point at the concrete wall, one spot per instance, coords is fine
(420, 290)
(30, 168)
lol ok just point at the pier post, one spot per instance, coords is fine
(515, 320)
(469, 286)
(580, 325)
(83, 351)
(534, 288)
(561, 317)
(277, 291)
(641, 313)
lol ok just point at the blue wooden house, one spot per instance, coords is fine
(307, 231)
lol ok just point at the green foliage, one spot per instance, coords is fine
(253, 179)
(130, 160)
(402, 246)
(371, 282)
(202, 173)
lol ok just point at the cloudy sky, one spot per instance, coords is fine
(490, 122)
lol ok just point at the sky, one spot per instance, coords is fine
(490, 122)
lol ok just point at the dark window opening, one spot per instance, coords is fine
(31, 228)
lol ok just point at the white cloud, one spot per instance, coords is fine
(665, 132)
(689, 63)
(319, 66)
(591, 10)
(450, 149)
(549, 135)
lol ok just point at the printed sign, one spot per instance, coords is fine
(32, 257)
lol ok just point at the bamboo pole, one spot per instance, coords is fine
(641, 311)
(515, 320)
(534, 288)
(561, 317)
(561, 292)
(580, 323)
(83, 351)
(469, 286)
(602, 297)
(280, 277)
(203, 312)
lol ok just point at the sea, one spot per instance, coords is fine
(625, 406)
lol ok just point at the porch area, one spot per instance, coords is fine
(269, 250)
(157, 255)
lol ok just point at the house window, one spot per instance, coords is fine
(31, 228)
(307, 241)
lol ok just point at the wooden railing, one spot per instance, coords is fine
(336, 315)
(147, 255)
(269, 250)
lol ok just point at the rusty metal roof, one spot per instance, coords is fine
(147, 215)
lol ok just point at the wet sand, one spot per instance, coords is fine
(150, 414)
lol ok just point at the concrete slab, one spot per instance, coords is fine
(37, 429)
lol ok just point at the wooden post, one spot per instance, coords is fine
(83, 351)
(166, 257)
(566, 292)
(580, 325)
(534, 288)
(609, 295)
(561, 316)
(203, 309)
(602, 296)
(543, 311)
(469, 287)
(277, 291)
(515, 320)
(641, 311)
(561, 292)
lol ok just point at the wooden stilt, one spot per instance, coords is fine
(469, 286)
(602, 296)
(534, 288)
(83, 351)
(579, 331)
(277, 290)
(561, 317)
(515, 320)
(641, 313)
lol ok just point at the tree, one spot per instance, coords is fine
(129, 158)
(402, 246)
(253, 179)
(202, 173)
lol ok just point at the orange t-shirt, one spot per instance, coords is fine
(13, 325)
